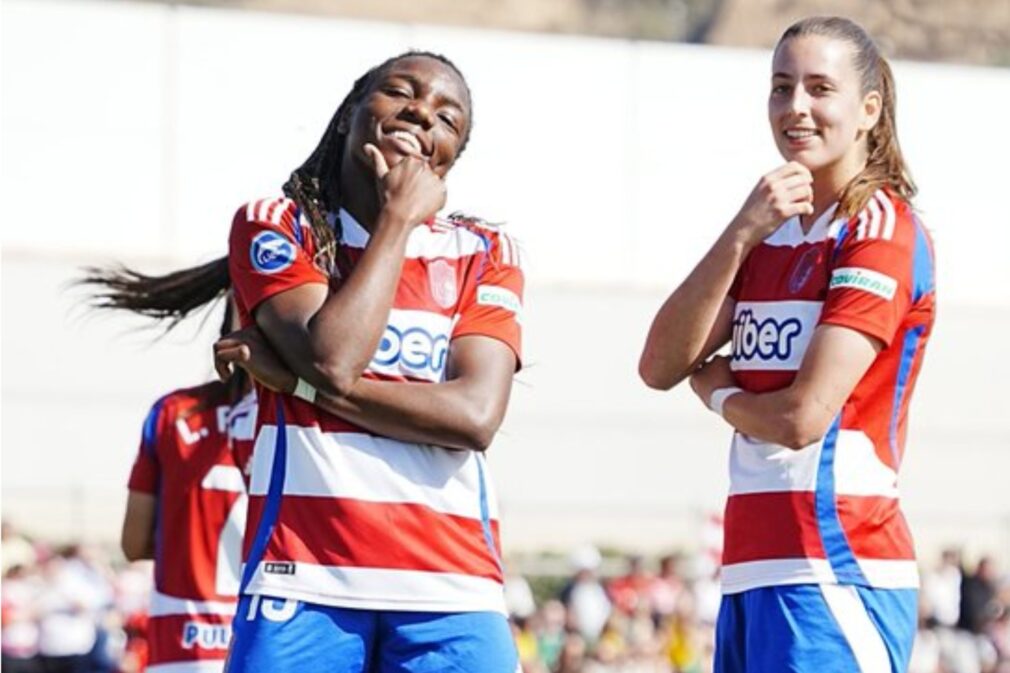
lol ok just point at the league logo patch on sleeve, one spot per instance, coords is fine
(271, 252)
(867, 280)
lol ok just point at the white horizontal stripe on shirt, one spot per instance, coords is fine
(163, 605)
(382, 589)
(879, 573)
(739, 577)
(223, 478)
(763, 467)
(200, 666)
(367, 467)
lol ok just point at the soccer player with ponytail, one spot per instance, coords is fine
(823, 283)
(186, 506)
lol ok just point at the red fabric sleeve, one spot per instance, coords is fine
(870, 285)
(494, 301)
(146, 467)
(269, 252)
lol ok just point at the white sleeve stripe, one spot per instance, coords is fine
(277, 211)
(874, 230)
(861, 229)
(889, 215)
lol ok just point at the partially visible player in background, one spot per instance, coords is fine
(186, 507)
(824, 284)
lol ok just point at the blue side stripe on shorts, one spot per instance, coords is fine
(275, 491)
(836, 545)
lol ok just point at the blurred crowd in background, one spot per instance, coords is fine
(79, 608)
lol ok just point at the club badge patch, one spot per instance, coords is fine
(804, 268)
(271, 252)
(442, 283)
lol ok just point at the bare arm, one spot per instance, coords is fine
(329, 337)
(801, 413)
(696, 319)
(137, 538)
(464, 412)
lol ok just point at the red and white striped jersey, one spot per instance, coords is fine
(338, 515)
(185, 462)
(829, 513)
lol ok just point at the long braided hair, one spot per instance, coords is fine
(314, 187)
(885, 165)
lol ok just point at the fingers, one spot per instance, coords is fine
(795, 168)
(228, 352)
(223, 370)
(378, 161)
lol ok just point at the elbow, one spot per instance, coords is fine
(338, 378)
(803, 427)
(481, 428)
(652, 375)
(134, 550)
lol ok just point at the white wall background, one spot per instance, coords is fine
(132, 132)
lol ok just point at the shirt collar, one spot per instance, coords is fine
(351, 232)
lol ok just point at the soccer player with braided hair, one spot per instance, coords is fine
(824, 286)
(384, 340)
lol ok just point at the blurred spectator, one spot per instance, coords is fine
(666, 587)
(68, 626)
(941, 589)
(686, 638)
(518, 595)
(978, 597)
(16, 549)
(19, 640)
(926, 650)
(584, 595)
(551, 638)
(631, 590)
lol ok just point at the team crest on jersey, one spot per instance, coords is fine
(442, 283)
(803, 269)
(271, 252)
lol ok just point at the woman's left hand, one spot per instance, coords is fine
(711, 376)
(248, 349)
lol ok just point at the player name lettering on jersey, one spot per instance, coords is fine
(206, 636)
(772, 335)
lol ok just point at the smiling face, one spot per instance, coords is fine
(818, 110)
(417, 106)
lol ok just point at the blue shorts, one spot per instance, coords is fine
(282, 636)
(811, 628)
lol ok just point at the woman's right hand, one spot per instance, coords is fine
(410, 189)
(785, 192)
